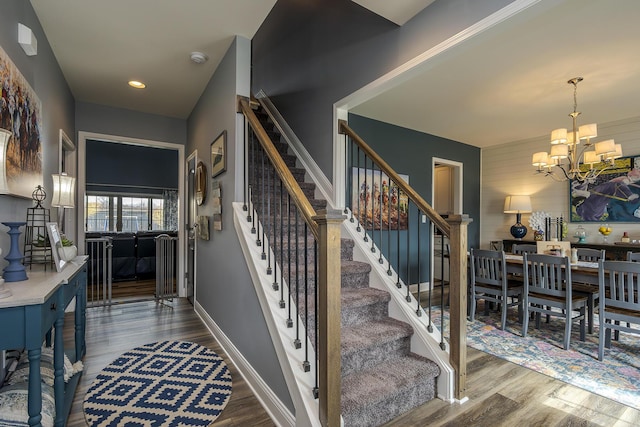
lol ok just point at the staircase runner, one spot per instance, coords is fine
(381, 377)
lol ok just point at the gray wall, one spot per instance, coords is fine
(224, 286)
(45, 77)
(131, 124)
(394, 142)
(309, 54)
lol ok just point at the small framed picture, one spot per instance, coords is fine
(56, 244)
(219, 154)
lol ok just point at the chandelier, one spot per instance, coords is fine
(566, 159)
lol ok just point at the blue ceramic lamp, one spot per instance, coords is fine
(518, 205)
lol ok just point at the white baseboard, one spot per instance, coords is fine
(278, 412)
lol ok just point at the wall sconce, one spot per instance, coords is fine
(27, 40)
(4, 140)
(518, 205)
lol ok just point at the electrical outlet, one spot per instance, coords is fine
(424, 219)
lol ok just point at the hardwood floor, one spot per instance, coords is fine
(113, 330)
(500, 393)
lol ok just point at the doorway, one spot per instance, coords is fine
(191, 226)
(446, 199)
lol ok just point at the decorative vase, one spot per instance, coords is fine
(15, 271)
(67, 253)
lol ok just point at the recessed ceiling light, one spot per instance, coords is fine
(137, 84)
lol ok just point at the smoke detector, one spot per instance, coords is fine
(199, 57)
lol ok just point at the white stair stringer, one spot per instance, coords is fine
(299, 383)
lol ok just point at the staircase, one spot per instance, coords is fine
(381, 377)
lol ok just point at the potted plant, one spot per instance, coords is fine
(68, 250)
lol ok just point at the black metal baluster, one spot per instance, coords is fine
(306, 366)
(408, 282)
(252, 170)
(361, 193)
(431, 283)
(373, 204)
(245, 159)
(282, 301)
(419, 308)
(389, 207)
(261, 221)
(350, 172)
(315, 326)
(442, 344)
(270, 191)
(380, 208)
(346, 176)
(397, 191)
(281, 214)
(366, 199)
(296, 342)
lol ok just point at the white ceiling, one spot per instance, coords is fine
(101, 45)
(506, 84)
(510, 82)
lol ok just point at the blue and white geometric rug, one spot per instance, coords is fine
(170, 383)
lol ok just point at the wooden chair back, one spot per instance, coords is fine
(522, 248)
(591, 255)
(547, 275)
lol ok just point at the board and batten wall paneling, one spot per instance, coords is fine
(506, 170)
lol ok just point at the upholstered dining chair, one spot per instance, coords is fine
(489, 283)
(619, 300)
(521, 248)
(548, 290)
(589, 290)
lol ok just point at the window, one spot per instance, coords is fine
(113, 212)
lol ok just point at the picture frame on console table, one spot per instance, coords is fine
(56, 242)
(613, 196)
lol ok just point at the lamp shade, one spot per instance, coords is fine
(517, 204)
(558, 136)
(588, 131)
(540, 158)
(63, 191)
(4, 139)
(560, 151)
(591, 157)
(605, 147)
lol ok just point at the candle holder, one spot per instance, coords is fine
(15, 271)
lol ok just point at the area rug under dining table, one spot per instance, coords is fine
(617, 377)
(160, 384)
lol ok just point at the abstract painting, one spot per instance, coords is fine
(612, 196)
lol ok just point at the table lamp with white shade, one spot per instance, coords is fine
(518, 205)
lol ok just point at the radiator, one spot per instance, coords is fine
(99, 266)
(166, 267)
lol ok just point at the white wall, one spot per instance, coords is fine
(506, 169)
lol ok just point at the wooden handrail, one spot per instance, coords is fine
(440, 222)
(298, 197)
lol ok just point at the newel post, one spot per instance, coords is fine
(328, 288)
(458, 301)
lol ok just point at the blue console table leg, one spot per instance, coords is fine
(35, 389)
(15, 271)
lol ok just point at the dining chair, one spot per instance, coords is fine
(633, 256)
(547, 286)
(521, 248)
(619, 300)
(489, 283)
(589, 290)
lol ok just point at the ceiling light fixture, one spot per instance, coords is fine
(199, 57)
(136, 84)
(580, 165)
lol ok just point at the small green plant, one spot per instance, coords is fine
(65, 241)
(41, 241)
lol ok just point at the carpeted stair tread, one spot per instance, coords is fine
(353, 298)
(379, 394)
(364, 335)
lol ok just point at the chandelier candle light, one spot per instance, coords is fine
(518, 205)
(564, 145)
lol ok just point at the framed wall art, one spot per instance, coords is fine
(375, 200)
(613, 196)
(20, 145)
(219, 154)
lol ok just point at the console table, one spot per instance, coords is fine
(616, 252)
(37, 305)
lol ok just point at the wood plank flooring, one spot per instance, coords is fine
(500, 393)
(113, 330)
